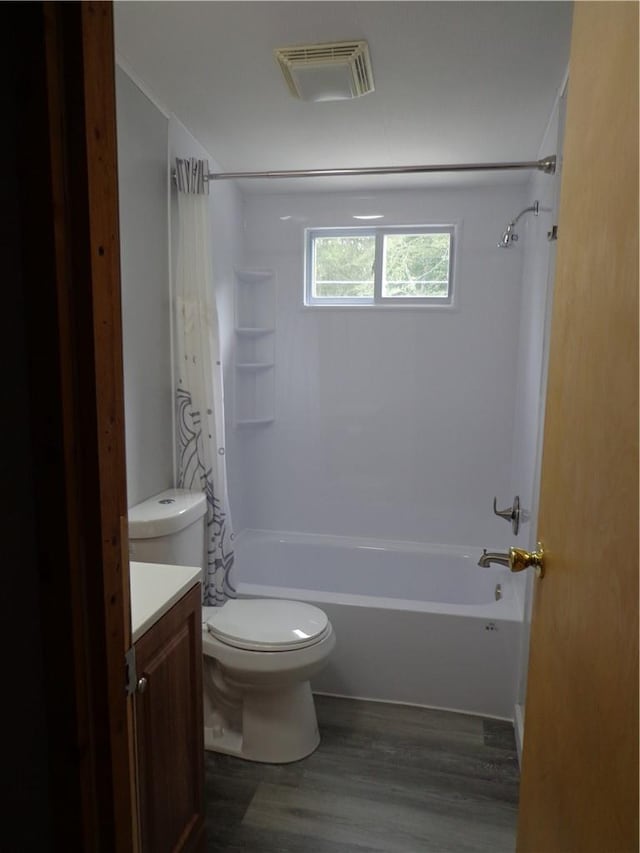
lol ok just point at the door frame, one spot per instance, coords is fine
(67, 204)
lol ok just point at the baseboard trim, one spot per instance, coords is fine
(412, 705)
(518, 724)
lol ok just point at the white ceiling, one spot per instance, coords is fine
(454, 81)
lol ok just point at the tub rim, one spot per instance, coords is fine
(506, 609)
(510, 607)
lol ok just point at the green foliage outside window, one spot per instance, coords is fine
(344, 266)
(414, 265)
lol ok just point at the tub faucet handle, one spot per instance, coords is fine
(511, 513)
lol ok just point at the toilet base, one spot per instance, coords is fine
(278, 726)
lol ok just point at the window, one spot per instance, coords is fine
(379, 266)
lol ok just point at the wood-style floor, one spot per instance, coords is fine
(385, 778)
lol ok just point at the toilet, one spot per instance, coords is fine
(258, 654)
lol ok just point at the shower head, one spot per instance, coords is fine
(510, 237)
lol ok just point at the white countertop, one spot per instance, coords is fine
(155, 588)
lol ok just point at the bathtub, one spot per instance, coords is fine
(417, 624)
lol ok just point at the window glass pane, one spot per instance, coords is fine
(343, 266)
(416, 265)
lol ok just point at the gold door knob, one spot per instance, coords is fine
(520, 559)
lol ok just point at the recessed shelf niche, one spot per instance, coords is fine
(255, 348)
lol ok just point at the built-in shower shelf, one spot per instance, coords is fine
(253, 276)
(246, 422)
(256, 365)
(255, 322)
(254, 331)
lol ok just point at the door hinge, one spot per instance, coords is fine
(553, 234)
(131, 677)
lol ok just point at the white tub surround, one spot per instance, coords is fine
(155, 588)
(538, 273)
(393, 413)
(417, 624)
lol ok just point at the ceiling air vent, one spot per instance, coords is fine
(327, 72)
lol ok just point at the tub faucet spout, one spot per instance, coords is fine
(489, 557)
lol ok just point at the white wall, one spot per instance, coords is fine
(395, 422)
(142, 185)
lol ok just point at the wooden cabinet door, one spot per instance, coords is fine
(169, 729)
(579, 789)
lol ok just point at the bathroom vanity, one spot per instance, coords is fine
(166, 620)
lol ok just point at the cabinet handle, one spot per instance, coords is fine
(142, 684)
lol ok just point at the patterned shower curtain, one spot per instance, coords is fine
(198, 375)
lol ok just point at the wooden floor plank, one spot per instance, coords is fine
(385, 779)
(249, 840)
(499, 734)
(384, 826)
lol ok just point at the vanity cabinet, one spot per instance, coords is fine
(169, 730)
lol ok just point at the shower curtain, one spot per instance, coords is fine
(198, 376)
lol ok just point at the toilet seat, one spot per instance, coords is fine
(268, 625)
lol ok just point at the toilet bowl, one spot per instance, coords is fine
(258, 654)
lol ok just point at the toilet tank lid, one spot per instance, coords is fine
(166, 513)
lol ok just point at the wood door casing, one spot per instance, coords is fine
(579, 789)
(106, 373)
(68, 212)
(170, 729)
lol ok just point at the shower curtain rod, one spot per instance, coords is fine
(546, 165)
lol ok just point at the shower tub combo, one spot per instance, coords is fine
(417, 624)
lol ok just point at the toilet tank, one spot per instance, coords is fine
(169, 528)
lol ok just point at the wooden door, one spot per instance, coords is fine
(170, 730)
(579, 789)
(64, 207)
